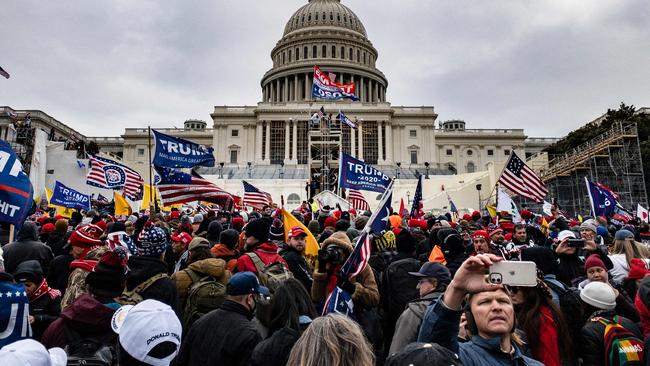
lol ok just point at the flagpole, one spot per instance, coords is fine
(151, 199)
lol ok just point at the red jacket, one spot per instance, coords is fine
(268, 253)
(547, 350)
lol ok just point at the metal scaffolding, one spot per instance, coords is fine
(612, 159)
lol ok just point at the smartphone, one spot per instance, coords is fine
(576, 243)
(514, 273)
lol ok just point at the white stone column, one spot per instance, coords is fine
(360, 141)
(215, 141)
(353, 144)
(296, 89)
(258, 141)
(389, 142)
(287, 146)
(362, 90)
(380, 144)
(267, 153)
(294, 143)
(307, 91)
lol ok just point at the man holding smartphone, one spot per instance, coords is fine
(492, 318)
(572, 253)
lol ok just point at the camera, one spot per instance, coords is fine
(330, 254)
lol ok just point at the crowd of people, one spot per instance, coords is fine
(236, 288)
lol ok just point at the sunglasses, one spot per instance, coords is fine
(513, 289)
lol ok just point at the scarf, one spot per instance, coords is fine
(332, 279)
(43, 289)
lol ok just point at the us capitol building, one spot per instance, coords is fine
(275, 140)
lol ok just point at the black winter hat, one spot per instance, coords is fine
(108, 277)
(229, 238)
(259, 229)
(214, 232)
(405, 242)
(342, 225)
(30, 270)
(543, 258)
(423, 354)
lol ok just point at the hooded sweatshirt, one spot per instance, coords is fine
(26, 247)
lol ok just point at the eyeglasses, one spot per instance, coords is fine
(513, 289)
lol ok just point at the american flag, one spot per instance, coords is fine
(416, 209)
(343, 118)
(4, 73)
(522, 180)
(177, 187)
(357, 200)
(452, 207)
(107, 173)
(253, 197)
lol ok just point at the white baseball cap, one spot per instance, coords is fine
(564, 234)
(145, 325)
(32, 353)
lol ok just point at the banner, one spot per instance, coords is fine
(16, 192)
(356, 174)
(505, 204)
(311, 245)
(60, 210)
(325, 88)
(175, 152)
(68, 197)
(642, 213)
(122, 207)
(602, 200)
(14, 313)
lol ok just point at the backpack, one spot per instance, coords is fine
(271, 275)
(203, 295)
(134, 296)
(570, 306)
(622, 347)
(89, 351)
(399, 288)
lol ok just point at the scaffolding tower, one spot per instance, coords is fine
(612, 159)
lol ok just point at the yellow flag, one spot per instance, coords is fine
(60, 210)
(492, 210)
(146, 196)
(311, 245)
(580, 218)
(544, 226)
(122, 207)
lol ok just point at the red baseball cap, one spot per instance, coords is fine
(295, 231)
(182, 237)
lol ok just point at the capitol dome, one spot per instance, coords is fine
(327, 34)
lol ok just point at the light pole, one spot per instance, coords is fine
(399, 169)
(408, 197)
(282, 170)
(249, 169)
(426, 165)
(478, 188)
(221, 170)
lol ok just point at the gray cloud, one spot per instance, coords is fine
(546, 66)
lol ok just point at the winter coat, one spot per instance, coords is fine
(26, 247)
(408, 324)
(440, 325)
(143, 268)
(77, 280)
(225, 336)
(275, 350)
(268, 253)
(298, 266)
(366, 291)
(59, 271)
(593, 347)
(207, 267)
(56, 242)
(547, 349)
(86, 316)
(228, 255)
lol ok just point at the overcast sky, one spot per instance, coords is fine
(547, 66)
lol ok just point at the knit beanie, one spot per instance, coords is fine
(61, 225)
(47, 228)
(360, 222)
(109, 275)
(229, 238)
(476, 215)
(314, 227)
(342, 225)
(237, 223)
(404, 242)
(588, 225)
(481, 234)
(638, 269)
(86, 236)
(330, 221)
(594, 261)
(259, 229)
(214, 231)
(599, 295)
(152, 242)
(395, 221)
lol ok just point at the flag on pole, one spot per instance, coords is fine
(254, 197)
(122, 207)
(316, 117)
(177, 187)
(506, 204)
(402, 210)
(642, 213)
(344, 119)
(522, 180)
(603, 203)
(175, 152)
(416, 210)
(453, 208)
(311, 245)
(4, 73)
(109, 174)
(357, 200)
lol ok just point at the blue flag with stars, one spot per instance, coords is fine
(14, 313)
(339, 302)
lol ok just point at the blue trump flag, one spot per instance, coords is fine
(68, 197)
(16, 191)
(14, 313)
(603, 202)
(356, 174)
(175, 152)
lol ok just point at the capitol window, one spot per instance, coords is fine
(333, 52)
(140, 152)
(470, 152)
(450, 152)
(413, 133)
(234, 133)
(233, 156)
(471, 168)
(314, 52)
(490, 152)
(414, 157)
(506, 152)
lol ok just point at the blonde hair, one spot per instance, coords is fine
(631, 249)
(332, 340)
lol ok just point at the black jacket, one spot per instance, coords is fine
(593, 347)
(225, 336)
(298, 266)
(275, 350)
(143, 268)
(59, 271)
(26, 247)
(46, 308)
(57, 241)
